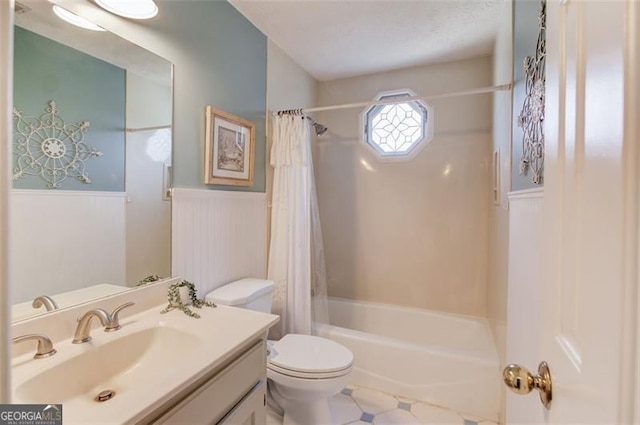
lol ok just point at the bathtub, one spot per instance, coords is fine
(445, 359)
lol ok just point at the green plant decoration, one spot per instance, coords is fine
(149, 279)
(175, 301)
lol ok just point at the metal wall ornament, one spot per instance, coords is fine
(531, 118)
(48, 147)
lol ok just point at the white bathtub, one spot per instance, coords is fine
(444, 359)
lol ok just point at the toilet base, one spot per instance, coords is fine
(297, 412)
(312, 413)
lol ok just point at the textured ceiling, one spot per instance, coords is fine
(334, 39)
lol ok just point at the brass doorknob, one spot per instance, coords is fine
(521, 381)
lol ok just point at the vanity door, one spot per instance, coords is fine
(234, 396)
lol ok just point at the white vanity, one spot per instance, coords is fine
(158, 368)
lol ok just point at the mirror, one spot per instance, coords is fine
(90, 205)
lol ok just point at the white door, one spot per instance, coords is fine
(577, 311)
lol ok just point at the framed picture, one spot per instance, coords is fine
(229, 149)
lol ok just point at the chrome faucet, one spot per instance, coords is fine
(46, 301)
(45, 347)
(84, 324)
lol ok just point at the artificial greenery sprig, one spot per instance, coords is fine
(175, 301)
(149, 279)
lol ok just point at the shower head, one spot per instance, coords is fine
(319, 128)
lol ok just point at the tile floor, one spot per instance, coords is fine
(358, 405)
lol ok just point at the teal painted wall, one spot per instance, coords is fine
(84, 88)
(219, 58)
(525, 36)
(222, 62)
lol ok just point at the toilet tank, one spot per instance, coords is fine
(249, 293)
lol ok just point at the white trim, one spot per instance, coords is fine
(537, 192)
(157, 127)
(6, 128)
(207, 194)
(630, 382)
(58, 192)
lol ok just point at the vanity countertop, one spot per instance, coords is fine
(151, 359)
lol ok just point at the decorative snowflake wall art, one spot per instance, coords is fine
(48, 147)
(531, 118)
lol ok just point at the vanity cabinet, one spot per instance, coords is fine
(234, 395)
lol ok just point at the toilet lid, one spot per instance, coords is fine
(309, 354)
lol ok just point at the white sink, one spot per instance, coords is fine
(116, 366)
(148, 363)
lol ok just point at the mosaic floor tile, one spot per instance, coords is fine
(361, 406)
(374, 402)
(346, 391)
(367, 417)
(396, 417)
(476, 419)
(428, 414)
(344, 409)
(402, 405)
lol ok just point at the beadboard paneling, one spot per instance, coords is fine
(524, 293)
(218, 236)
(65, 240)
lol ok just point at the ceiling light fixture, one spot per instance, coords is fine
(74, 19)
(133, 9)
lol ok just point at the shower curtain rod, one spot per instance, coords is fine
(157, 127)
(502, 87)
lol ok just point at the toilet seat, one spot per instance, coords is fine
(308, 375)
(309, 357)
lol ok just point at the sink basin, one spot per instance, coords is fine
(117, 365)
(150, 364)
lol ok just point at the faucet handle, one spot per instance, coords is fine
(46, 301)
(45, 347)
(115, 320)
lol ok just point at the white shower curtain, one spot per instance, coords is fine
(296, 260)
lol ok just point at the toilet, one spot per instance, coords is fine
(303, 371)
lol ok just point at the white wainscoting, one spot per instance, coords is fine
(218, 236)
(524, 294)
(65, 240)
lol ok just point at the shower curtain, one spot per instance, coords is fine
(296, 257)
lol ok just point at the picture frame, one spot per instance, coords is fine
(229, 149)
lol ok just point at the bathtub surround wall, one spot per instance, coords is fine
(499, 221)
(497, 280)
(411, 233)
(84, 89)
(218, 237)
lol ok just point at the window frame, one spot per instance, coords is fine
(417, 147)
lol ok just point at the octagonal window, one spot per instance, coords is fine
(397, 130)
